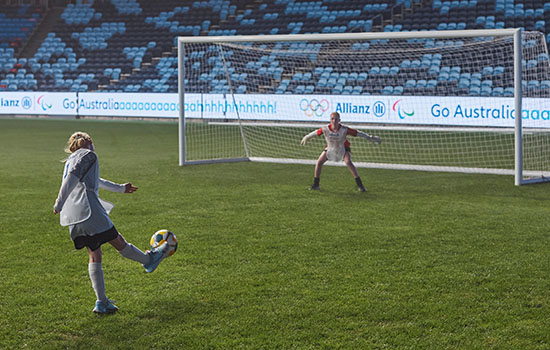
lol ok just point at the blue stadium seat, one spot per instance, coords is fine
(337, 89)
(533, 85)
(486, 91)
(387, 90)
(475, 90)
(357, 90)
(508, 91)
(487, 70)
(498, 70)
(463, 83)
(411, 83)
(443, 75)
(498, 92)
(374, 70)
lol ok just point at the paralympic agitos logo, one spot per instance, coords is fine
(314, 107)
(401, 112)
(42, 103)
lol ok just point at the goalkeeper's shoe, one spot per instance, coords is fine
(156, 256)
(359, 184)
(314, 188)
(105, 307)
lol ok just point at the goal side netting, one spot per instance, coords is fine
(471, 101)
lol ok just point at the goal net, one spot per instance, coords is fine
(460, 101)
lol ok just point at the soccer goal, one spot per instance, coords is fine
(473, 101)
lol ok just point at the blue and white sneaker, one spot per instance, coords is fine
(156, 255)
(105, 307)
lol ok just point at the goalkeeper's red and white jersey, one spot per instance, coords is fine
(336, 137)
(337, 141)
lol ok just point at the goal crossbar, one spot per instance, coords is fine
(441, 34)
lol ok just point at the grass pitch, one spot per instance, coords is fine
(420, 261)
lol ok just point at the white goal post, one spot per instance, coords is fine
(473, 101)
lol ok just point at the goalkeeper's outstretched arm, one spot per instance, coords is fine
(372, 138)
(308, 136)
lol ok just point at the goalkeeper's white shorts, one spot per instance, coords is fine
(337, 154)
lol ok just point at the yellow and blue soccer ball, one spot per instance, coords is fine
(162, 236)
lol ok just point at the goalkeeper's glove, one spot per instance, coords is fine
(308, 136)
(372, 138)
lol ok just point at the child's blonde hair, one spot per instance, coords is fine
(77, 140)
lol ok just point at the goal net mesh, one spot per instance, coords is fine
(437, 104)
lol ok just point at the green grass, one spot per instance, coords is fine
(420, 261)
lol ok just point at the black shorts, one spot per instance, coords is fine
(95, 241)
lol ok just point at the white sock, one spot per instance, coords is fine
(133, 253)
(98, 282)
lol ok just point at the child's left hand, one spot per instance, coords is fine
(130, 188)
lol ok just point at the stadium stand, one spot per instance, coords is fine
(129, 45)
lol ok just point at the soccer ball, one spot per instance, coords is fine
(162, 236)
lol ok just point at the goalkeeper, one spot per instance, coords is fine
(338, 147)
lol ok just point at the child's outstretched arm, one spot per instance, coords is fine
(372, 138)
(306, 138)
(114, 187)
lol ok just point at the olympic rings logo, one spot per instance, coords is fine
(314, 107)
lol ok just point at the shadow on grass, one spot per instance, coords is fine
(351, 193)
(178, 309)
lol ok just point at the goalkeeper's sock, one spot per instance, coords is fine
(360, 184)
(316, 181)
(315, 185)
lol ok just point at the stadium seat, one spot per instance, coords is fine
(498, 70)
(508, 91)
(362, 76)
(410, 83)
(475, 91)
(485, 91)
(387, 90)
(357, 90)
(498, 92)
(374, 70)
(488, 70)
(443, 76)
(533, 85)
(463, 83)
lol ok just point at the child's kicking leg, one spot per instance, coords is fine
(149, 260)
